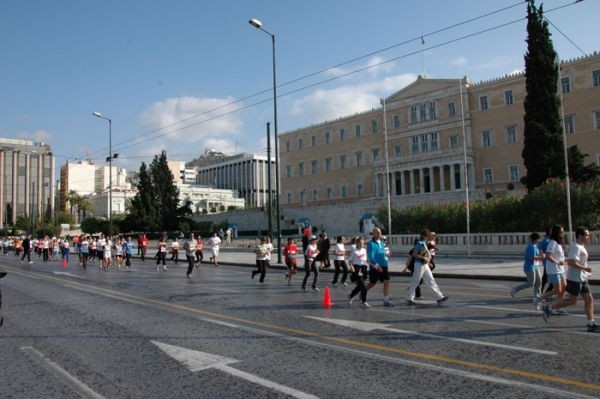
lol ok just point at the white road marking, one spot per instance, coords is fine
(198, 361)
(61, 373)
(69, 275)
(364, 326)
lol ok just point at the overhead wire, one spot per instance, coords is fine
(309, 75)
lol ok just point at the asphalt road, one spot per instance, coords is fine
(146, 334)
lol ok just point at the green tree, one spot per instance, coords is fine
(579, 172)
(167, 194)
(74, 199)
(542, 150)
(143, 212)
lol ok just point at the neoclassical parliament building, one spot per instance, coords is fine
(428, 122)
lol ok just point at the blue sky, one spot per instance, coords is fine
(149, 64)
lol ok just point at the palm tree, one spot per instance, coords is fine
(83, 206)
(73, 199)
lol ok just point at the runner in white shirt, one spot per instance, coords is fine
(555, 264)
(214, 243)
(118, 252)
(359, 269)
(339, 262)
(577, 281)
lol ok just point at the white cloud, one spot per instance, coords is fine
(40, 135)
(459, 61)
(205, 118)
(496, 62)
(323, 104)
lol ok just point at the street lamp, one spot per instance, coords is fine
(258, 25)
(109, 159)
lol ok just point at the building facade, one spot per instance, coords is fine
(434, 127)
(78, 176)
(120, 195)
(205, 199)
(26, 180)
(245, 173)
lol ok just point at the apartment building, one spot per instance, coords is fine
(434, 127)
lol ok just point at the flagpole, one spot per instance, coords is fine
(464, 134)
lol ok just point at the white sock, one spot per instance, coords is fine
(591, 322)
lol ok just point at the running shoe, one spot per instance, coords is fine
(388, 304)
(334, 284)
(350, 299)
(411, 303)
(303, 288)
(164, 268)
(547, 313)
(315, 289)
(419, 298)
(560, 312)
(536, 304)
(513, 292)
(345, 284)
(593, 328)
(440, 301)
(366, 305)
(2, 322)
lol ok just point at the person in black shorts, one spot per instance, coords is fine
(577, 281)
(378, 265)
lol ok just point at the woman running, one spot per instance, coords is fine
(339, 262)
(289, 252)
(358, 267)
(161, 255)
(262, 252)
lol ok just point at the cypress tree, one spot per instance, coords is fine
(143, 213)
(167, 194)
(543, 145)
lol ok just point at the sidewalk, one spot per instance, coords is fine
(485, 268)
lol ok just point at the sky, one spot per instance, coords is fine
(184, 76)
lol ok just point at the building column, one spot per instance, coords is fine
(452, 178)
(461, 178)
(421, 181)
(402, 185)
(393, 183)
(412, 181)
(442, 181)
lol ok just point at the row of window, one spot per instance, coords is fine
(565, 82)
(514, 174)
(329, 194)
(510, 133)
(508, 100)
(570, 122)
(328, 139)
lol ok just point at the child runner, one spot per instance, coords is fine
(289, 252)
(532, 270)
(339, 262)
(311, 263)
(577, 280)
(358, 267)
(422, 271)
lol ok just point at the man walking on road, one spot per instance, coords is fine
(378, 265)
(577, 281)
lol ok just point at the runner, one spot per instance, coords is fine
(119, 252)
(190, 251)
(262, 252)
(26, 245)
(378, 265)
(532, 270)
(422, 271)
(214, 242)
(107, 254)
(161, 255)
(339, 262)
(128, 246)
(311, 263)
(289, 252)
(359, 267)
(577, 281)
(199, 250)
(85, 251)
(555, 265)
(175, 250)
(144, 246)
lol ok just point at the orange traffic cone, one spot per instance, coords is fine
(64, 263)
(327, 298)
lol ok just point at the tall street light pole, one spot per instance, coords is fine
(109, 159)
(258, 25)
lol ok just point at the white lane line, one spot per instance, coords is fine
(61, 373)
(365, 326)
(70, 275)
